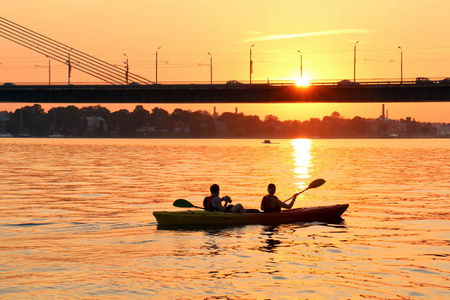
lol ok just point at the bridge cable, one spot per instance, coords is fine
(60, 52)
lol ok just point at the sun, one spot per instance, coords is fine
(304, 81)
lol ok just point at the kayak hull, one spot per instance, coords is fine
(200, 217)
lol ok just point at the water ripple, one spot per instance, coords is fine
(77, 220)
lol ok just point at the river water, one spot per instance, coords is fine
(76, 219)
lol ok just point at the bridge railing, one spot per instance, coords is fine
(218, 83)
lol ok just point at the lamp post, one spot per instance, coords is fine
(126, 68)
(251, 63)
(354, 62)
(156, 64)
(211, 66)
(301, 64)
(69, 68)
(49, 70)
(401, 64)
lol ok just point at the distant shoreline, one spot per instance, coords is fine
(228, 138)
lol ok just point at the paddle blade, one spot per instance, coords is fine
(182, 203)
(316, 183)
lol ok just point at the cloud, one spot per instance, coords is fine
(306, 34)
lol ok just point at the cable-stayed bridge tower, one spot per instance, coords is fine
(67, 55)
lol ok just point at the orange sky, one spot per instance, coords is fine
(324, 31)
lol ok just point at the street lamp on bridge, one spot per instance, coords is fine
(69, 65)
(49, 69)
(251, 63)
(301, 64)
(126, 68)
(211, 66)
(156, 65)
(354, 62)
(401, 64)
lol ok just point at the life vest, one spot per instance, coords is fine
(209, 207)
(207, 203)
(267, 205)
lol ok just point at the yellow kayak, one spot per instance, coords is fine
(198, 217)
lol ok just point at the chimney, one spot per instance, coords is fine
(236, 110)
(382, 113)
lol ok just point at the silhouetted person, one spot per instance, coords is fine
(271, 203)
(214, 202)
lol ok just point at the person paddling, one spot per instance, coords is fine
(214, 202)
(271, 203)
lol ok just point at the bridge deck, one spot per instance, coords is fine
(225, 93)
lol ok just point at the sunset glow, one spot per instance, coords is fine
(318, 37)
(302, 81)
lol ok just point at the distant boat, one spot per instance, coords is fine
(268, 142)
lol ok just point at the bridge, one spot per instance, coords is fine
(227, 93)
(142, 90)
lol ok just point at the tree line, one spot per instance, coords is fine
(98, 121)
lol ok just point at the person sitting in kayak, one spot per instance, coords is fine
(271, 203)
(214, 202)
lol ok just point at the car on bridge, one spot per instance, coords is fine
(445, 81)
(423, 80)
(347, 82)
(233, 82)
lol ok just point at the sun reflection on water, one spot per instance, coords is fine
(302, 160)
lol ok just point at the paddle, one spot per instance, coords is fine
(185, 203)
(316, 183)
